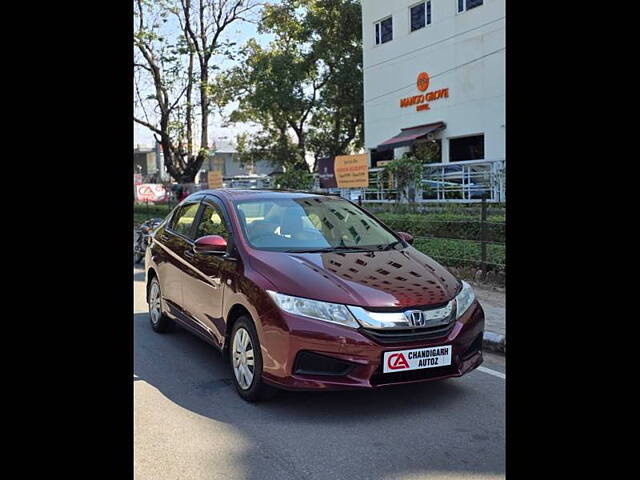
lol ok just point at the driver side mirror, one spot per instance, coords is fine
(210, 244)
(406, 237)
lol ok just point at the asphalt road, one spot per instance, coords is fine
(189, 422)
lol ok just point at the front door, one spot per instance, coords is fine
(203, 287)
(174, 239)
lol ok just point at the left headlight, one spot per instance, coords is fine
(464, 299)
(328, 312)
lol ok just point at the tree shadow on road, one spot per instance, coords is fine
(355, 434)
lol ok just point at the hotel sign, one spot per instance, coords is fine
(421, 101)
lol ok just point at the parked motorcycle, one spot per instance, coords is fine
(143, 234)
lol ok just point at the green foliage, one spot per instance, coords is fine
(294, 180)
(305, 88)
(406, 171)
(445, 225)
(427, 152)
(458, 253)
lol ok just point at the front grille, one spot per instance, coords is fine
(408, 335)
(380, 378)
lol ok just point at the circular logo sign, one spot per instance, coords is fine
(423, 81)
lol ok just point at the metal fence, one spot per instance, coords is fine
(483, 241)
(458, 182)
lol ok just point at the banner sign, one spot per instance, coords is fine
(326, 173)
(352, 171)
(214, 179)
(151, 192)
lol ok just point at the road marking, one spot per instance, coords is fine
(493, 372)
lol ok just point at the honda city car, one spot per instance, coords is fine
(308, 292)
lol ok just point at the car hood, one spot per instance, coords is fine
(395, 278)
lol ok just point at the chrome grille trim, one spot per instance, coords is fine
(434, 317)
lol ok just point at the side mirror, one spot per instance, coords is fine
(406, 237)
(210, 244)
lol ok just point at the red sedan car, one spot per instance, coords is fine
(306, 291)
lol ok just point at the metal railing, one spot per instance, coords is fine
(456, 182)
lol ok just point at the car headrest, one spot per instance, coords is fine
(291, 221)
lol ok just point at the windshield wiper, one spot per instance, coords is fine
(390, 246)
(329, 249)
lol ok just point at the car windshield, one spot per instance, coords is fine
(310, 224)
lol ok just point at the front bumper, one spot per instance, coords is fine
(286, 337)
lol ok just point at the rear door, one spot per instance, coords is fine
(204, 286)
(175, 239)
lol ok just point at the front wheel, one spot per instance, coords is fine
(246, 362)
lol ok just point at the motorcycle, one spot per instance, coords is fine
(143, 235)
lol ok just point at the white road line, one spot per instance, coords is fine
(492, 372)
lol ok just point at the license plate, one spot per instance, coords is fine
(416, 359)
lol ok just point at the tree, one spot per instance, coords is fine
(305, 89)
(166, 60)
(407, 172)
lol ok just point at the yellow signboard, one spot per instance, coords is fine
(352, 171)
(214, 179)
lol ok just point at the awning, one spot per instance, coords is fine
(408, 136)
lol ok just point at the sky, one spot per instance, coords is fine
(240, 32)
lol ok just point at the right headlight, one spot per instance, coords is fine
(464, 299)
(328, 312)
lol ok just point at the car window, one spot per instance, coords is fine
(212, 223)
(184, 218)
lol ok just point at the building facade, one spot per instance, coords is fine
(226, 160)
(434, 71)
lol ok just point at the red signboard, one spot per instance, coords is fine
(151, 192)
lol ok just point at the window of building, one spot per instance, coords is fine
(429, 151)
(466, 148)
(420, 15)
(383, 156)
(384, 31)
(468, 4)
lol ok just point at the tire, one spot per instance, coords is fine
(159, 320)
(244, 338)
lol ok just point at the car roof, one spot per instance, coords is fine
(239, 194)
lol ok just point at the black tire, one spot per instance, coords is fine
(257, 390)
(160, 322)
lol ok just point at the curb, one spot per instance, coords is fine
(494, 342)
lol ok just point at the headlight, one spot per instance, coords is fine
(464, 299)
(328, 312)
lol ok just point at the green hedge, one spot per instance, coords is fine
(460, 253)
(445, 225)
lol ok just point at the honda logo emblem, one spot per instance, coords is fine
(416, 318)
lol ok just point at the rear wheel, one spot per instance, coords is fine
(159, 320)
(246, 362)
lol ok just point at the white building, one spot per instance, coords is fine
(438, 65)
